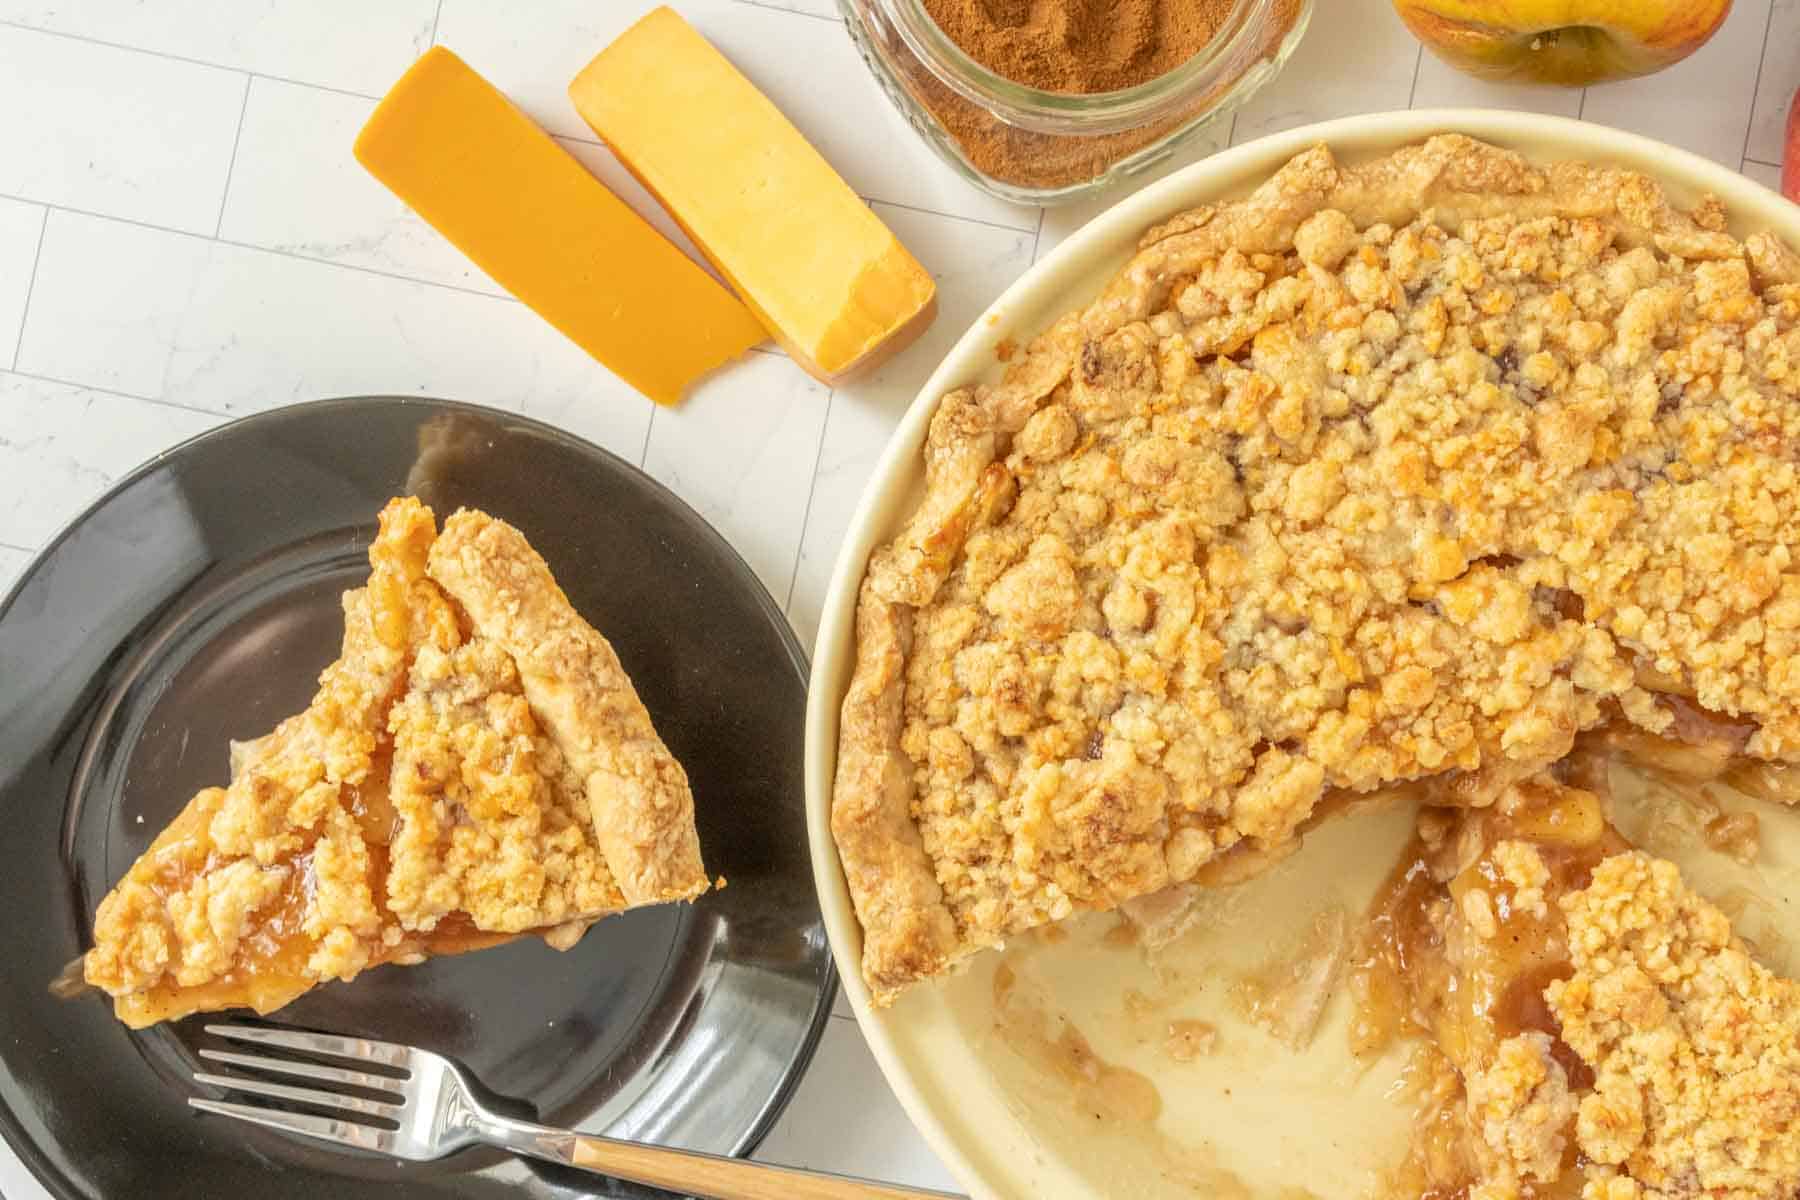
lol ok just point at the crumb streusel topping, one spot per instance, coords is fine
(1695, 1046)
(1606, 1028)
(1520, 1108)
(422, 803)
(491, 820)
(643, 810)
(1388, 471)
(274, 868)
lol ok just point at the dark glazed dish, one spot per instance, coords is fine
(195, 603)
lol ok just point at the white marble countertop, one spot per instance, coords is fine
(185, 238)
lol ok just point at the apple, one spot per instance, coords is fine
(1790, 153)
(1571, 42)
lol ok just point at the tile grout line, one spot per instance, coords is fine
(795, 12)
(37, 255)
(371, 270)
(1748, 161)
(4, 545)
(231, 166)
(326, 262)
(182, 58)
(812, 489)
(507, 297)
(1412, 92)
(932, 212)
(1037, 239)
(437, 17)
(644, 451)
(252, 246)
(106, 391)
(1755, 88)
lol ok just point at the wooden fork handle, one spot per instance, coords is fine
(725, 1178)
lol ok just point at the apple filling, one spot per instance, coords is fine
(1563, 1053)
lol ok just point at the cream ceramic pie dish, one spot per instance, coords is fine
(1069, 1064)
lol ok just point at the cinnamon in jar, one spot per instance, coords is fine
(1080, 47)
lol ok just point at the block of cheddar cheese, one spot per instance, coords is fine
(829, 280)
(463, 157)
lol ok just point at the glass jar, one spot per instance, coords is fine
(1037, 147)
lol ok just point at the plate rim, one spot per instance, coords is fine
(12, 1129)
(1110, 231)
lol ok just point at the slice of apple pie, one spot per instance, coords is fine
(474, 767)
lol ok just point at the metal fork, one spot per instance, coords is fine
(426, 1111)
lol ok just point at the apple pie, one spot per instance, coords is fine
(1409, 469)
(475, 767)
(1445, 476)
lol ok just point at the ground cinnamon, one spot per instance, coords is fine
(1073, 46)
(1081, 46)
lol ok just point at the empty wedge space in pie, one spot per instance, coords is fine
(1441, 476)
(475, 767)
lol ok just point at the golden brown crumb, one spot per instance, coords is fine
(1520, 1107)
(1695, 1046)
(643, 808)
(1478, 912)
(183, 909)
(1323, 493)
(491, 821)
(1523, 868)
(417, 786)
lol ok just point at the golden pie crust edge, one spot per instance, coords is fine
(643, 809)
(908, 932)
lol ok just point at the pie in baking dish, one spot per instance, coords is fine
(475, 766)
(1418, 474)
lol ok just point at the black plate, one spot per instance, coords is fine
(196, 603)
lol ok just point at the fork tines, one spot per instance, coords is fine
(361, 1049)
(371, 1120)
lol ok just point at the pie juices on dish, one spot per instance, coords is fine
(475, 767)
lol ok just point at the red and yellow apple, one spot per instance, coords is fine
(1571, 42)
